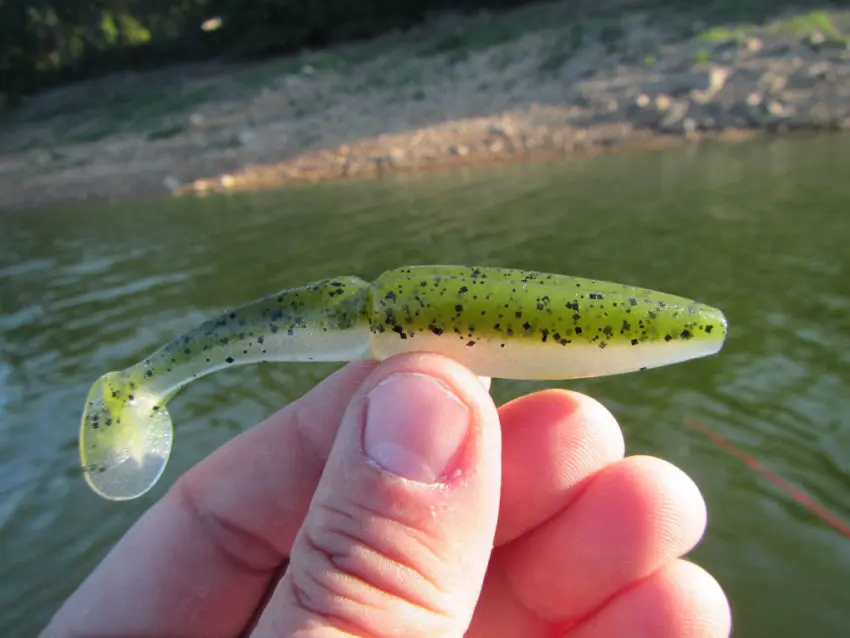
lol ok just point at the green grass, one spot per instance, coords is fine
(807, 24)
(722, 34)
(703, 56)
(802, 25)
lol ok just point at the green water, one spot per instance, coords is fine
(761, 230)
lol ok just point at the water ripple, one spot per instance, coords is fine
(97, 288)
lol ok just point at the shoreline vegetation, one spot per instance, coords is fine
(540, 81)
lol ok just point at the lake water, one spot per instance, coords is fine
(761, 230)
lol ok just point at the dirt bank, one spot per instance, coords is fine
(549, 79)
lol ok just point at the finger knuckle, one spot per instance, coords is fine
(361, 563)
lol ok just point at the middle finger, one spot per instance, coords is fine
(552, 441)
(635, 516)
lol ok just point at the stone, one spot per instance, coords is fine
(716, 80)
(496, 146)
(820, 115)
(773, 82)
(245, 137)
(645, 112)
(708, 80)
(672, 121)
(808, 77)
(821, 71)
(777, 109)
(815, 39)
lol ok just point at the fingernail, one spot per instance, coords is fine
(415, 427)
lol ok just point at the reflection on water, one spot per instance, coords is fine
(760, 230)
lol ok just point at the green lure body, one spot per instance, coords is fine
(499, 322)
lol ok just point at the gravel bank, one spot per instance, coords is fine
(540, 81)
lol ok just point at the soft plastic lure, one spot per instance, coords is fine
(499, 322)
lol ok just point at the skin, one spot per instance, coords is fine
(498, 322)
(544, 528)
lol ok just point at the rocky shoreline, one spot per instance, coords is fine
(632, 81)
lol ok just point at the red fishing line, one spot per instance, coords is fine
(796, 493)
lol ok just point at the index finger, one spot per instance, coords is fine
(199, 562)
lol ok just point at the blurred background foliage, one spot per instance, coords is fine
(44, 43)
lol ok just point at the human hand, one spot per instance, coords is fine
(523, 522)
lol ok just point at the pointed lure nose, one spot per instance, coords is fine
(712, 328)
(679, 330)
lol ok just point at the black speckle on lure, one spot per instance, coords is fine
(499, 322)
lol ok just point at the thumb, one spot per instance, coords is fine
(400, 529)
